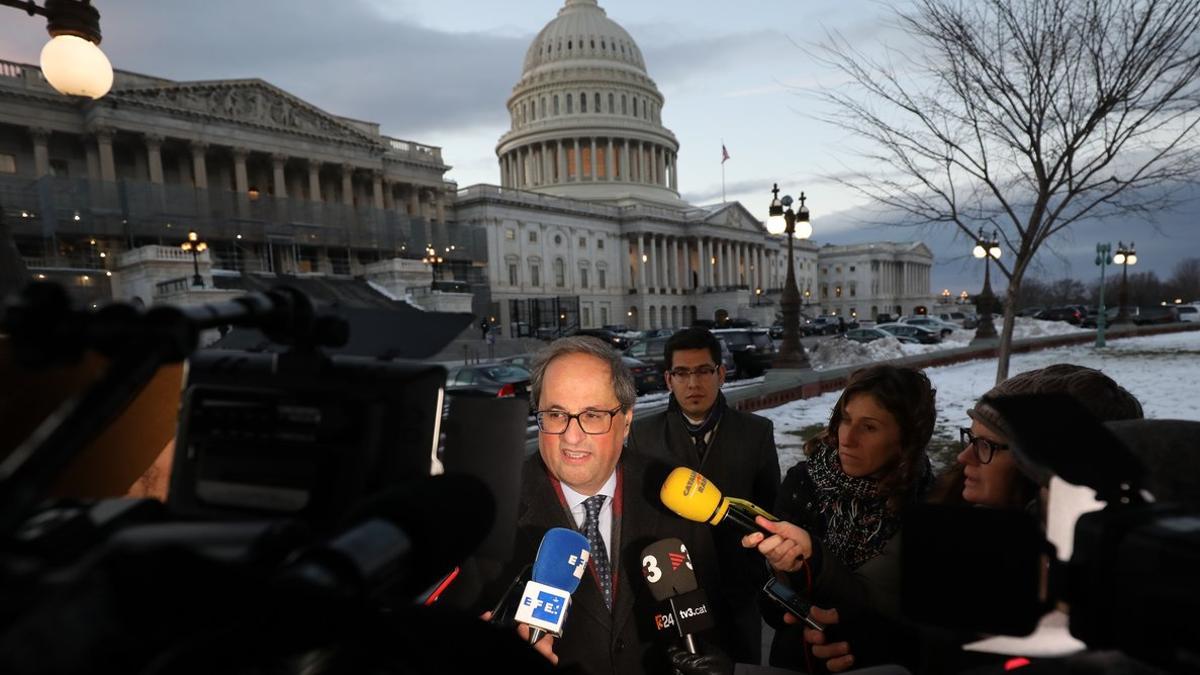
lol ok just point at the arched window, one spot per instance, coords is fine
(556, 104)
(596, 100)
(624, 105)
(602, 44)
(560, 273)
(543, 106)
(524, 110)
(635, 107)
(583, 102)
(610, 104)
(568, 45)
(570, 107)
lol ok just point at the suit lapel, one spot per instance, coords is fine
(638, 518)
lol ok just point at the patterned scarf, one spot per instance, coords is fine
(857, 521)
(698, 432)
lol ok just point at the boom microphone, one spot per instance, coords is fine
(667, 568)
(561, 561)
(694, 497)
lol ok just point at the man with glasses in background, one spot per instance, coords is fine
(583, 397)
(733, 449)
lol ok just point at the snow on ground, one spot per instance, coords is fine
(1163, 371)
(837, 352)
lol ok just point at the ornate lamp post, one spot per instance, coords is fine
(945, 296)
(988, 249)
(194, 246)
(1125, 256)
(1103, 260)
(795, 225)
(433, 260)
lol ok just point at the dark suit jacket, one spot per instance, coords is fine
(625, 640)
(742, 462)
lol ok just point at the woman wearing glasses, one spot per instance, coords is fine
(989, 474)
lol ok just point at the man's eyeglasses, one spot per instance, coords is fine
(685, 373)
(592, 422)
(984, 449)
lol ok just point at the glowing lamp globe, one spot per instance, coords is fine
(76, 67)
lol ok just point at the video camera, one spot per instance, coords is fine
(1131, 582)
(302, 517)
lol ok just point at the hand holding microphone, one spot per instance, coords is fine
(785, 546)
(694, 497)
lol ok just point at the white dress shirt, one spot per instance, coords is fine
(575, 503)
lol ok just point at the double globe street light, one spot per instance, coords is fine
(71, 61)
(987, 248)
(194, 246)
(795, 225)
(1125, 256)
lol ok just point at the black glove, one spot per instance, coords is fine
(712, 663)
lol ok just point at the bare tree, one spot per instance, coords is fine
(1026, 116)
(1185, 280)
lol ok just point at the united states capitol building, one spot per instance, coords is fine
(585, 228)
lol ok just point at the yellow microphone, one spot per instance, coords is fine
(693, 497)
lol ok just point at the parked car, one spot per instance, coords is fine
(944, 328)
(613, 338)
(753, 350)
(865, 335)
(647, 377)
(1069, 313)
(498, 380)
(1030, 311)
(1090, 320)
(656, 333)
(776, 330)
(961, 319)
(731, 367)
(825, 325)
(649, 351)
(1152, 315)
(1188, 313)
(919, 333)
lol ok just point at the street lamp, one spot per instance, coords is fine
(71, 61)
(988, 249)
(757, 296)
(945, 296)
(433, 260)
(1103, 260)
(1125, 256)
(795, 224)
(194, 246)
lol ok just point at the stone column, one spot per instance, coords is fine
(662, 166)
(678, 265)
(199, 164)
(595, 176)
(314, 180)
(641, 263)
(441, 208)
(674, 171)
(108, 166)
(93, 159)
(703, 257)
(241, 181)
(624, 166)
(578, 162)
(414, 201)
(278, 176)
(41, 151)
(348, 184)
(609, 161)
(154, 157)
(377, 189)
(758, 266)
(389, 195)
(653, 262)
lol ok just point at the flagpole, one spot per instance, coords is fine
(723, 171)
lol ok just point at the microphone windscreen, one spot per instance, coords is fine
(562, 558)
(446, 517)
(667, 568)
(692, 496)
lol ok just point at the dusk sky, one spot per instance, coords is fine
(439, 73)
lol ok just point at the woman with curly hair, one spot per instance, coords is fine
(842, 507)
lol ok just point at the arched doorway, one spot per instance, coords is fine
(721, 317)
(653, 317)
(675, 317)
(632, 318)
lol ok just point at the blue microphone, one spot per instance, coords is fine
(561, 562)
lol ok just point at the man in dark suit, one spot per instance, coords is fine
(582, 479)
(733, 449)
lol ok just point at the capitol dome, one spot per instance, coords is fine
(586, 117)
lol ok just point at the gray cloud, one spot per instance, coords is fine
(342, 57)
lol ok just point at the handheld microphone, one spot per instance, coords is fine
(561, 561)
(667, 568)
(694, 497)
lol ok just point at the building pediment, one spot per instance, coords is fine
(734, 216)
(246, 102)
